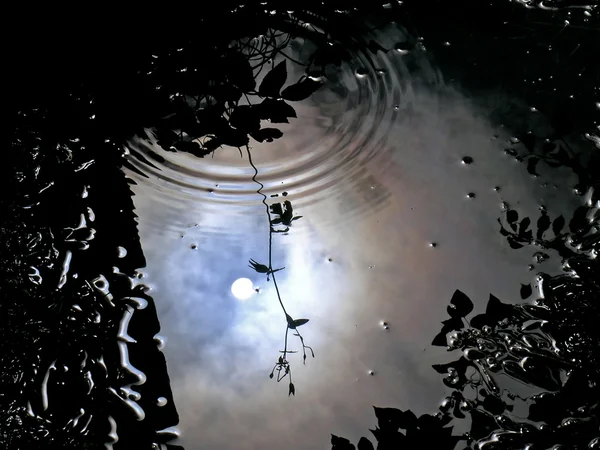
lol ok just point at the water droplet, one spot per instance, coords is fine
(433, 244)
(194, 247)
(533, 109)
(396, 107)
(122, 252)
(361, 72)
(371, 266)
(161, 401)
(446, 44)
(467, 160)
(380, 72)
(401, 47)
(372, 186)
(471, 195)
(531, 267)
(496, 188)
(371, 372)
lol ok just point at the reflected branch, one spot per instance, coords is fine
(282, 367)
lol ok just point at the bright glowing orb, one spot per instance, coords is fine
(242, 288)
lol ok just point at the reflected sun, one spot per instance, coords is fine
(242, 288)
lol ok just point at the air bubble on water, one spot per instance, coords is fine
(467, 160)
(496, 188)
(329, 259)
(446, 44)
(194, 247)
(433, 244)
(161, 401)
(371, 266)
(471, 195)
(380, 72)
(531, 267)
(396, 107)
(533, 109)
(505, 205)
(371, 372)
(122, 252)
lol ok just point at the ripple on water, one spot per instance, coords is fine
(337, 147)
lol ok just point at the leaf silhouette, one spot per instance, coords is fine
(296, 323)
(579, 221)
(543, 224)
(292, 390)
(496, 310)
(512, 216)
(452, 324)
(301, 90)
(460, 305)
(526, 291)
(239, 72)
(365, 444)
(513, 243)
(558, 225)
(273, 81)
(340, 443)
(266, 134)
(524, 225)
(531, 166)
(245, 118)
(276, 111)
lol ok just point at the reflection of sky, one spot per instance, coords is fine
(220, 350)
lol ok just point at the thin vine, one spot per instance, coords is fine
(282, 367)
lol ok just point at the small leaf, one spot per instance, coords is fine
(297, 323)
(579, 220)
(526, 291)
(271, 375)
(558, 225)
(460, 305)
(292, 390)
(266, 134)
(524, 225)
(440, 340)
(245, 118)
(512, 216)
(301, 90)
(513, 243)
(365, 444)
(531, 165)
(277, 111)
(273, 81)
(340, 443)
(543, 224)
